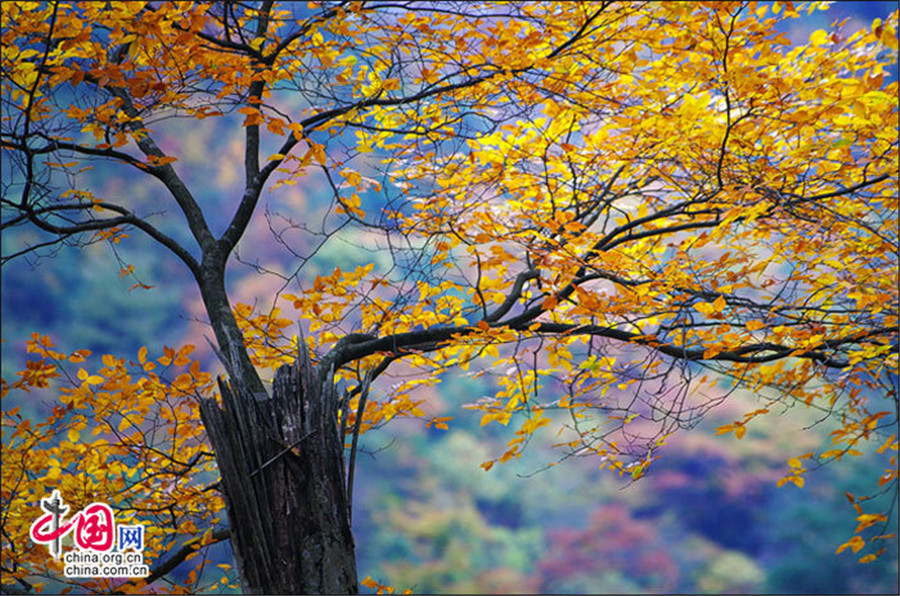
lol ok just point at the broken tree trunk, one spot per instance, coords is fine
(282, 468)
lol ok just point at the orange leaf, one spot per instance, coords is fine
(856, 543)
(719, 303)
(155, 160)
(276, 126)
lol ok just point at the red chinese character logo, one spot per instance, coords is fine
(95, 527)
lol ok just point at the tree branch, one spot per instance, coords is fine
(166, 174)
(514, 294)
(126, 218)
(177, 558)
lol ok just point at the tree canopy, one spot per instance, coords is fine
(621, 212)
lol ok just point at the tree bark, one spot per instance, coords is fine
(281, 461)
(231, 351)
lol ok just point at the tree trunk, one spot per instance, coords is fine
(282, 468)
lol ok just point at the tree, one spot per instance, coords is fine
(616, 205)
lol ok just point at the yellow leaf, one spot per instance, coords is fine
(754, 325)
(710, 353)
(819, 37)
(353, 178)
(534, 423)
(508, 455)
(891, 443)
(182, 357)
(637, 472)
(867, 520)
(740, 431)
(705, 308)
(182, 382)
(317, 152)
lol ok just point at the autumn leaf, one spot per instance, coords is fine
(705, 307)
(156, 160)
(856, 544)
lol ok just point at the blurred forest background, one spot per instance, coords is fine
(707, 518)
